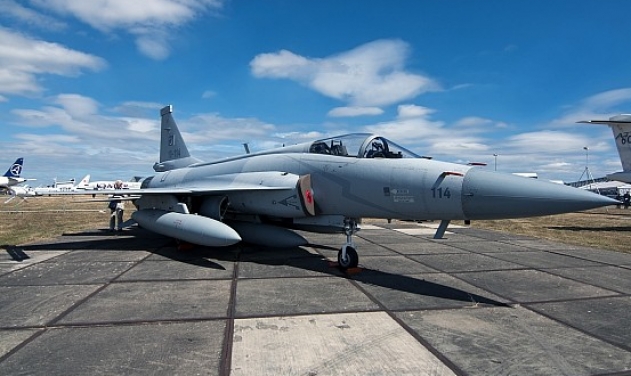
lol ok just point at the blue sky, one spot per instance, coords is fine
(82, 82)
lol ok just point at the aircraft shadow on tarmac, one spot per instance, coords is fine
(298, 257)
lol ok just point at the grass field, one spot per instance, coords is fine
(41, 218)
(605, 228)
(48, 217)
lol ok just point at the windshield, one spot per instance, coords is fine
(360, 145)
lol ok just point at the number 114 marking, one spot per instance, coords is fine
(441, 193)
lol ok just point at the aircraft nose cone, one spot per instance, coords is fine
(491, 195)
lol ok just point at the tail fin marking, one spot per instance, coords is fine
(16, 169)
(173, 151)
(621, 128)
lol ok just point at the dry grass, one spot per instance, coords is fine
(48, 217)
(42, 218)
(607, 228)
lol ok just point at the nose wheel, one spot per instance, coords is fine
(347, 257)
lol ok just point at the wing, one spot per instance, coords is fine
(278, 185)
(215, 184)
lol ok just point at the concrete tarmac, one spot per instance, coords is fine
(475, 303)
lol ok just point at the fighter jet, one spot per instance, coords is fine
(324, 186)
(621, 127)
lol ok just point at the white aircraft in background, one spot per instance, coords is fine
(86, 184)
(10, 179)
(59, 187)
(621, 127)
(12, 176)
(22, 191)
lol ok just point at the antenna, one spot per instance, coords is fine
(588, 174)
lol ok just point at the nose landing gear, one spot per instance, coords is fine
(347, 257)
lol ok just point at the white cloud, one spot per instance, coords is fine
(557, 142)
(608, 99)
(473, 121)
(298, 137)
(479, 125)
(208, 94)
(283, 64)
(76, 134)
(412, 124)
(558, 165)
(133, 138)
(210, 128)
(413, 111)
(599, 106)
(76, 105)
(552, 154)
(460, 145)
(24, 59)
(154, 45)
(80, 116)
(13, 10)
(106, 15)
(138, 109)
(370, 75)
(354, 111)
(560, 153)
(150, 21)
(415, 129)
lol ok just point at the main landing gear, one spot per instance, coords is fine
(347, 257)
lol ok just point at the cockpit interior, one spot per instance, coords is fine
(360, 145)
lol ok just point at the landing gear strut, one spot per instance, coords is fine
(347, 257)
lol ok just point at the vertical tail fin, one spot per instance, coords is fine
(621, 127)
(172, 145)
(173, 151)
(84, 183)
(16, 169)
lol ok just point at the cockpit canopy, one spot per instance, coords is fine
(360, 145)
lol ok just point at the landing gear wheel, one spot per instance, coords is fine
(350, 261)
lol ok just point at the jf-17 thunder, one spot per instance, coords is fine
(327, 185)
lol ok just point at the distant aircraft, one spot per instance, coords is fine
(107, 184)
(60, 187)
(12, 176)
(22, 191)
(324, 186)
(621, 127)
